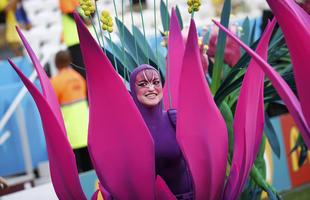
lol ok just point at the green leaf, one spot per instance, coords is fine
(143, 44)
(121, 69)
(272, 136)
(221, 42)
(252, 39)
(206, 37)
(231, 85)
(229, 118)
(278, 35)
(125, 59)
(150, 54)
(303, 155)
(165, 17)
(129, 41)
(177, 10)
(245, 37)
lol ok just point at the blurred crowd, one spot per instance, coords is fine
(12, 13)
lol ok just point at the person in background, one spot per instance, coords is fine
(70, 36)
(70, 89)
(21, 17)
(8, 36)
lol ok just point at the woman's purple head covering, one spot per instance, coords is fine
(146, 112)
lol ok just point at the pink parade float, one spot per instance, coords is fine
(123, 151)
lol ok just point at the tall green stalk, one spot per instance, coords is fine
(122, 41)
(115, 10)
(156, 48)
(132, 24)
(219, 55)
(147, 51)
(113, 52)
(101, 33)
(168, 65)
(93, 24)
(192, 15)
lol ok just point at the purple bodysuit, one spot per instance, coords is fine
(169, 161)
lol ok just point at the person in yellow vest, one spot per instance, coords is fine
(70, 35)
(70, 89)
(8, 36)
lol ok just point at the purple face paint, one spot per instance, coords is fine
(169, 161)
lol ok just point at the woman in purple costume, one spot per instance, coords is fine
(146, 90)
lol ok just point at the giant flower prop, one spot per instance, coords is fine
(122, 150)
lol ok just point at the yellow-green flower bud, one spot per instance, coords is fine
(87, 6)
(190, 9)
(105, 13)
(84, 7)
(87, 13)
(104, 20)
(104, 27)
(110, 29)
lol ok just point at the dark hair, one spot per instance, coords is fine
(63, 59)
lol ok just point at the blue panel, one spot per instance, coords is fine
(7, 74)
(11, 161)
(88, 182)
(281, 178)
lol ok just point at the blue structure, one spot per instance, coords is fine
(11, 156)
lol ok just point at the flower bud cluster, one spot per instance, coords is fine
(193, 5)
(88, 7)
(107, 22)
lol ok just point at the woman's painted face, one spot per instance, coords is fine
(148, 88)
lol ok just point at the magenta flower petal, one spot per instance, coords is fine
(119, 142)
(281, 86)
(47, 88)
(162, 190)
(201, 129)
(248, 121)
(295, 23)
(176, 49)
(61, 158)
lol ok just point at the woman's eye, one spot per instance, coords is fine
(143, 84)
(156, 82)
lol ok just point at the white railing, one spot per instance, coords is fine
(15, 107)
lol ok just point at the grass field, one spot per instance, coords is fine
(300, 193)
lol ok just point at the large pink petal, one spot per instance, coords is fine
(47, 88)
(281, 86)
(176, 49)
(249, 121)
(295, 24)
(201, 130)
(63, 168)
(119, 142)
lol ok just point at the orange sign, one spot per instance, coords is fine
(299, 175)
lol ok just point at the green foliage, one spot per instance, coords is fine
(220, 47)
(165, 17)
(177, 10)
(129, 41)
(246, 32)
(272, 136)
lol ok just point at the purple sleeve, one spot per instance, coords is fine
(172, 113)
